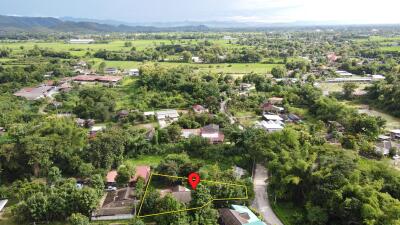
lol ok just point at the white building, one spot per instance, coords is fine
(171, 114)
(350, 80)
(270, 126)
(270, 117)
(97, 128)
(344, 73)
(276, 119)
(133, 72)
(166, 117)
(111, 71)
(378, 77)
(81, 41)
(37, 93)
(150, 113)
(197, 59)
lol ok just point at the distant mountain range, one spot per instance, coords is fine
(211, 24)
(14, 24)
(48, 24)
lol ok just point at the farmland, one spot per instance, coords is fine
(81, 50)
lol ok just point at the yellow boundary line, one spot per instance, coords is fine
(190, 209)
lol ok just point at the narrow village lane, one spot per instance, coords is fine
(261, 201)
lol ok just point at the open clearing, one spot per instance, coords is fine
(338, 87)
(156, 181)
(234, 68)
(81, 49)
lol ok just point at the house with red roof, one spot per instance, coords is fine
(199, 109)
(212, 133)
(111, 178)
(96, 78)
(268, 107)
(332, 57)
(140, 172)
(36, 93)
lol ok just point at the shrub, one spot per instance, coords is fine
(78, 219)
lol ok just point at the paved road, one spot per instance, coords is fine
(261, 202)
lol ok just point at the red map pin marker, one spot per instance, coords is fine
(194, 180)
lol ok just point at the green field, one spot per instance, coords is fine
(81, 49)
(390, 49)
(145, 160)
(234, 68)
(385, 43)
(378, 39)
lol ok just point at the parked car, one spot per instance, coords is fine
(111, 188)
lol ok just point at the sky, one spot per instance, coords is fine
(264, 11)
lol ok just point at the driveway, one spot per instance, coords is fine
(232, 119)
(261, 202)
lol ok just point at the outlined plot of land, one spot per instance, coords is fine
(183, 194)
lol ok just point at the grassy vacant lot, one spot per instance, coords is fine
(146, 160)
(247, 118)
(391, 121)
(233, 68)
(338, 87)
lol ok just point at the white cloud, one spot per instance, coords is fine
(349, 11)
(266, 4)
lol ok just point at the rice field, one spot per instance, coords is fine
(81, 49)
(391, 49)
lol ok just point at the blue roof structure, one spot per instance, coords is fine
(254, 220)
